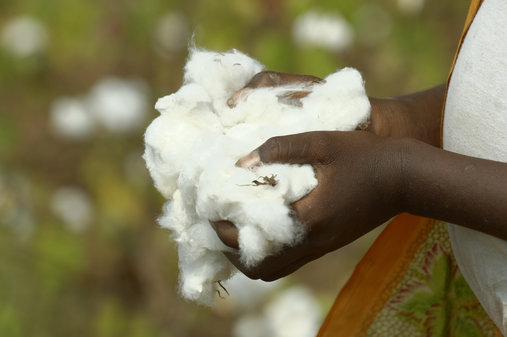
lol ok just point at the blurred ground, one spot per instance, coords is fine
(80, 250)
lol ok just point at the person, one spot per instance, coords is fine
(396, 165)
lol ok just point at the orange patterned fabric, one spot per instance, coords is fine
(408, 283)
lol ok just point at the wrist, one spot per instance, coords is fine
(390, 176)
(389, 117)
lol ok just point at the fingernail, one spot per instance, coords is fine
(238, 96)
(250, 160)
(231, 102)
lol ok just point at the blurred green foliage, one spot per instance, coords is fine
(118, 277)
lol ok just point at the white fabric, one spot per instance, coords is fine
(476, 124)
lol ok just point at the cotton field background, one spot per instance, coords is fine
(81, 253)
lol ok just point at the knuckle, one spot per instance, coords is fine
(322, 143)
(263, 79)
(322, 139)
(270, 149)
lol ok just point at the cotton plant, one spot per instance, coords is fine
(192, 147)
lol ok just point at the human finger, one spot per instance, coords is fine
(273, 79)
(227, 233)
(303, 148)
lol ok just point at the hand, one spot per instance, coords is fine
(276, 79)
(417, 115)
(350, 199)
(358, 176)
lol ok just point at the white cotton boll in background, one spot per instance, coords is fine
(24, 36)
(293, 313)
(70, 119)
(119, 105)
(330, 31)
(74, 207)
(171, 33)
(250, 326)
(410, 7)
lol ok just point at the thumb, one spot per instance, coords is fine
(302, 148)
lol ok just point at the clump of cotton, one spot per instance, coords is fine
(191, 151)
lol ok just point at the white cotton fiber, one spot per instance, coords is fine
(191, 151)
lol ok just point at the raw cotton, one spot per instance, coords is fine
(192, 148)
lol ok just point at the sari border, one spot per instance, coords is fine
(360, 301)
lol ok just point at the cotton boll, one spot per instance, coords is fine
(294, 313)
(330, 31)
(410, 7)
(70, 119)
(250, 326)
(24, 36)
(74, 207)
(119, 105)
(171, 33)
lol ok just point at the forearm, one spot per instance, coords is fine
(416, 115)
(467, 191)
